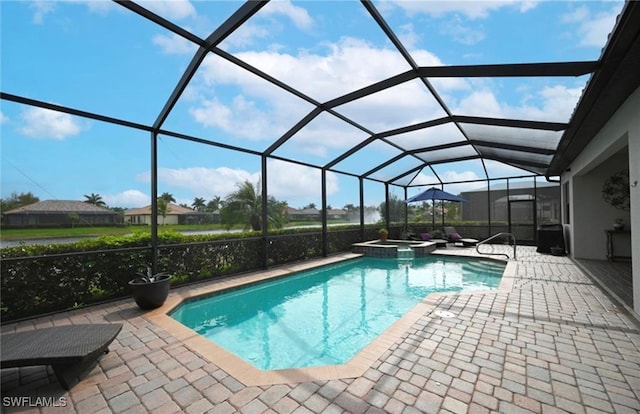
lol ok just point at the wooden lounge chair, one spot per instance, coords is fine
(69, 349)
(456, 238)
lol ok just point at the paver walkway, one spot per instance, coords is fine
(555, 343)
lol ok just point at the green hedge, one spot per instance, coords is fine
(38, 279)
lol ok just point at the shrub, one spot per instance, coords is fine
(38, 279)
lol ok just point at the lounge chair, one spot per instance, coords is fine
(454, 237)
(428, 237)
(69, 349)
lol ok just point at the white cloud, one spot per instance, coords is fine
(559, 100)
(127, 199)
(321, 76)
(593, 29)
(297, 184)
(173, 44)
(427, 181)
(402, 105)
(170, 9)
(479, 103)
(424, 179)
(298, 16)
(576, 15)
(499, 169)
(553, 103)
(286, 182)
(408, 36)
(323, 134)
(470, 9)
(205, 182)
(44, 123)
(453, 176)
(461, 32)
(245, 35)
(265, 24)
(3, 118)
(260, 109)
(242, 118)
(40, 9)
(213, 113)
(462, 187)
(100, 7)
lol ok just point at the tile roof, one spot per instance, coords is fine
(173, 209)
(60, 207)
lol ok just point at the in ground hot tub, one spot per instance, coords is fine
(394, 248)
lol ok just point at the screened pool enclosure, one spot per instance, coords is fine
(342, 108)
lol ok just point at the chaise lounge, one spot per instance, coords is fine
(454, 237)
(428, 237)
(68, 349)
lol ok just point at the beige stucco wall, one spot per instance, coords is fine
(615, 147)
(146, 219)
(593, 215)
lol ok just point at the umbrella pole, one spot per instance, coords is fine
(433, 215)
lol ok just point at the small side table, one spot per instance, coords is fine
(611, 235)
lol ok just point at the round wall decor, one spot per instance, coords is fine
(615, 190)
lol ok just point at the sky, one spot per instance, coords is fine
(98, 57)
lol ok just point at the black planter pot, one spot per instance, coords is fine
(150, 295)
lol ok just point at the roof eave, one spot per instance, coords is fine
(609, 87)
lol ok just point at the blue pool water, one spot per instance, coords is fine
(326, 315)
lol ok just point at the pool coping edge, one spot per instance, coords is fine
(355, 367)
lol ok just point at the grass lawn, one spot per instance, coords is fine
(25, 234)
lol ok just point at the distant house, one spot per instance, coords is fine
(304, 214)
(336, 214)
(313, 214)
(175, 215)
(60, 213)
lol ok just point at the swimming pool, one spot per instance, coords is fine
(326, 315)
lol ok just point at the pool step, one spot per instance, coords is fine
(485, 266)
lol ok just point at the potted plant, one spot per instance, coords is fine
(150, 290)
(384, 233)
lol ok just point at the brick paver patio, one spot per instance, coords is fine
(554, 343)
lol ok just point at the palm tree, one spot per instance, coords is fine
(215, 204)
(168, 197)
(94, 199)
(163, 208)
(198, 204)
(245, 206)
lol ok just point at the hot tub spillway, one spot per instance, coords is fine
(406, 252)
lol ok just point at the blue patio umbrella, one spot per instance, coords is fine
(434, 194)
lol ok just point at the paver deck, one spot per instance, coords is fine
(554, 342)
